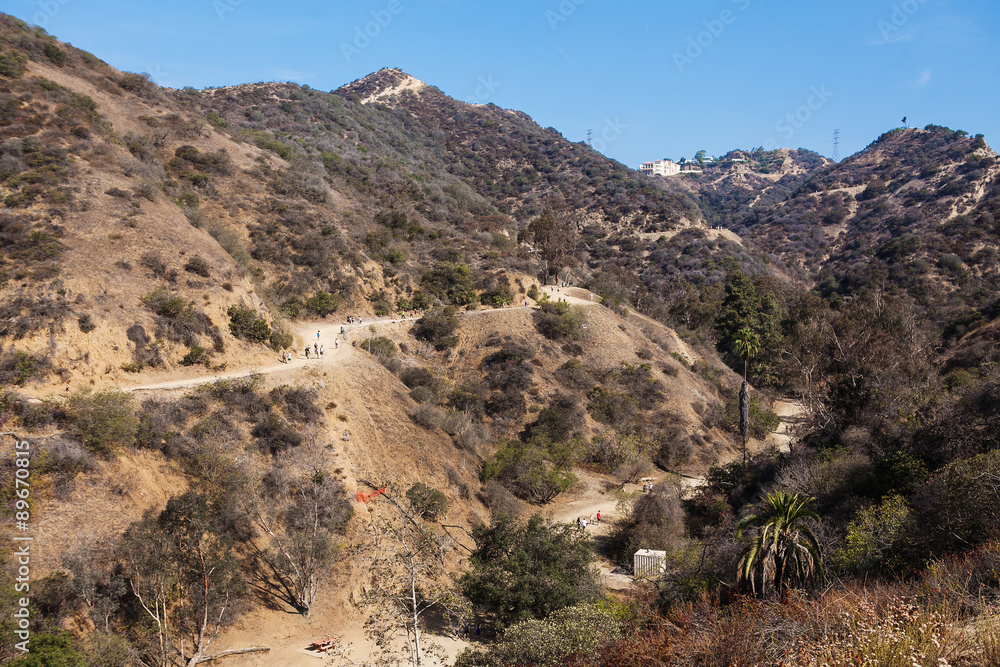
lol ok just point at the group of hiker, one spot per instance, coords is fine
(582, 521)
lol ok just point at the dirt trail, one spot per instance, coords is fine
(325, 333)
(792, 415)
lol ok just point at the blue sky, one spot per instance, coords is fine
(651, 78)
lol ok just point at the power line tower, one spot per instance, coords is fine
(590, 138)
(836, 145)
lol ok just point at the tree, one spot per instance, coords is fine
(554, 240)
(699, 157)
(181, 567)
(406, 581)
(525, 570)
(747, 345)
(301, 518)
(784, 549)
(754, 306)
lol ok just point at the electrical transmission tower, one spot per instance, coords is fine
(836, 145)
(590, 138)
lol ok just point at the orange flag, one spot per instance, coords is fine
(365, 497)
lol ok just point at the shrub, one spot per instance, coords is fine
(524, 469)
(104, 422)
(298, 403)
(18, 368)
(196, 355)
(427, 501)
(437, 328)
(323, 303)
(379, 346)
(274, 435)
(569, 632)
(245, 324)
(280, 340)
(12, 63)
(451, 283)
(560, 320)
(198, 266)
(85, 323)
(611, 408)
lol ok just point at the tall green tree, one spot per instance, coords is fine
(524, 570)
(747, 305)
(747, 345)
(784, 550)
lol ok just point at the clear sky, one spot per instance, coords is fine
(651, 78)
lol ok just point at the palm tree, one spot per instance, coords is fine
(746, 344)
(784, 549)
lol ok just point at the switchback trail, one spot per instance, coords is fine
(306, 333)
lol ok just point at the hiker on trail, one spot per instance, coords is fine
(317, 335)
(307, 351)
(583, 522)
(598, 516)
(479, 629)
(321, 351)
(316, 349)
(336, 343)
(360, 320)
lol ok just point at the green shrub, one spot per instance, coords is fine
(50, 650)
(450, 282)
(427, 501)
(324, 303)
(54, 53)
(196, 355)
(216, 120)
(526, 471)
(437, 328)
(524, 570)
(560, 320)
(567, 633)
(245, 324)
(12, 63)
(280, 340)
(379, 346)
(611, 408)
(104, 422)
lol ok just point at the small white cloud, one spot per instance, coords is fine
(925, 78)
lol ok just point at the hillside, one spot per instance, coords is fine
(513, 331)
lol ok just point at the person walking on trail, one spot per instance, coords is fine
(336, 343)
(316, 349)
(598, 516)
(317, 335)
(320, 351)
(307, 351)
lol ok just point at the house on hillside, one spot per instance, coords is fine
(667, 167)
(662, 167)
